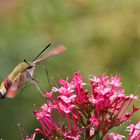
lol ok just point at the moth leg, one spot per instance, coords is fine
(47, 74)
(38, 88)
(24, 87)
(33, 78)
(34, 81)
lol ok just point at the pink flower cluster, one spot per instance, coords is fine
(77, 110)
(134, 131)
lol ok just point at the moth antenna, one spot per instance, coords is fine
(42, 51)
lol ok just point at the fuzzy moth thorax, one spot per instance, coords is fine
(21, 67)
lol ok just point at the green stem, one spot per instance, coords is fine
(97, 137)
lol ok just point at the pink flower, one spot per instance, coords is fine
(44, 115)
(116, 81)
(94, 121)
(73, 112)
(31, 138)
(114, 136)
(134, 131)
(109, 102)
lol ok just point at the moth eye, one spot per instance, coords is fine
(30, 67)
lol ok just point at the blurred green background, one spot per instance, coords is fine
(100, 37)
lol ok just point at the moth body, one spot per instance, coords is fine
(24, 71)
(18, 77)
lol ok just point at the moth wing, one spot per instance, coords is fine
(57, 50)
(13, 88)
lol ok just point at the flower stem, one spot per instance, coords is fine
(97, 137)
